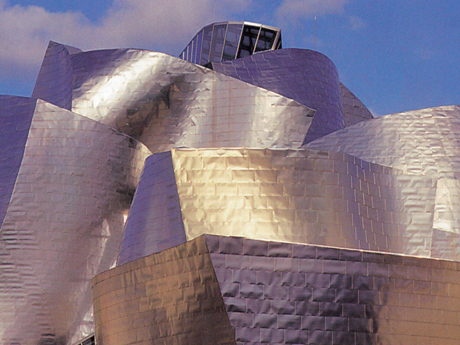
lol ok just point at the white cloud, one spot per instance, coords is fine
(295, 10)
(152, 24)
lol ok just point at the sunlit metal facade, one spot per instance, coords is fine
(251, 201)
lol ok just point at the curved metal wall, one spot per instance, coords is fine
(155, 219)
(421, 142)
(228, 290)
(300, 196)
(15, 119)
(54, 83)
(304, 75)
(63, 223)
(167, 102)
(354, 110)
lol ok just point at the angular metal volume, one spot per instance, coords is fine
(64, 198)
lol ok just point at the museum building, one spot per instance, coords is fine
(238, 194)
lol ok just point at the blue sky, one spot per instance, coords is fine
(395, 55)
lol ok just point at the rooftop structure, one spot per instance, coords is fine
(230, 40)
(147, 199)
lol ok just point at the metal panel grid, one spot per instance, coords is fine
(233, 290)
(64, 219)
(304, 75)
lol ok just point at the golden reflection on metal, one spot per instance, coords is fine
(277, 293)
(420, 143)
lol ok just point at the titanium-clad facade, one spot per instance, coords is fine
(239, 194)
(67, 184)
(277, 293)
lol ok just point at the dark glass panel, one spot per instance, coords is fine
(266, 39)
(248, 40)
(217, 44)
(206, 45)
(231, 41)
(198, 47)
(193, 57)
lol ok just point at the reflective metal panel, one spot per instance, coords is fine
(417, 142)
(172, 297)
(63, 223)
(15, 119)
(298, 196)
(55, 80)
(281, 293)
(234, 290)
(304, 75)
(167, 102)
(155, 220)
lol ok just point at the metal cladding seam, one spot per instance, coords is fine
(422, 142)
(64, 220)
(306, 76)
(166, 102)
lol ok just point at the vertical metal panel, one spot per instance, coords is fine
(155, 220)
(172, 297)
(63, 223)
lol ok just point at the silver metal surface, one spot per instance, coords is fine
(69, 187)
(227, 163)
(277, 293)
(167, 102)
(306, 76)
(421, 142)
(301, 196)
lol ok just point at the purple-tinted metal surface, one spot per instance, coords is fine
(155, 219)
(354, 110)
(15, 119)
(277, 293)
(55, 80)
(68, 186)
(304, 75)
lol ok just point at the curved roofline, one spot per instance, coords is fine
(244, 23)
